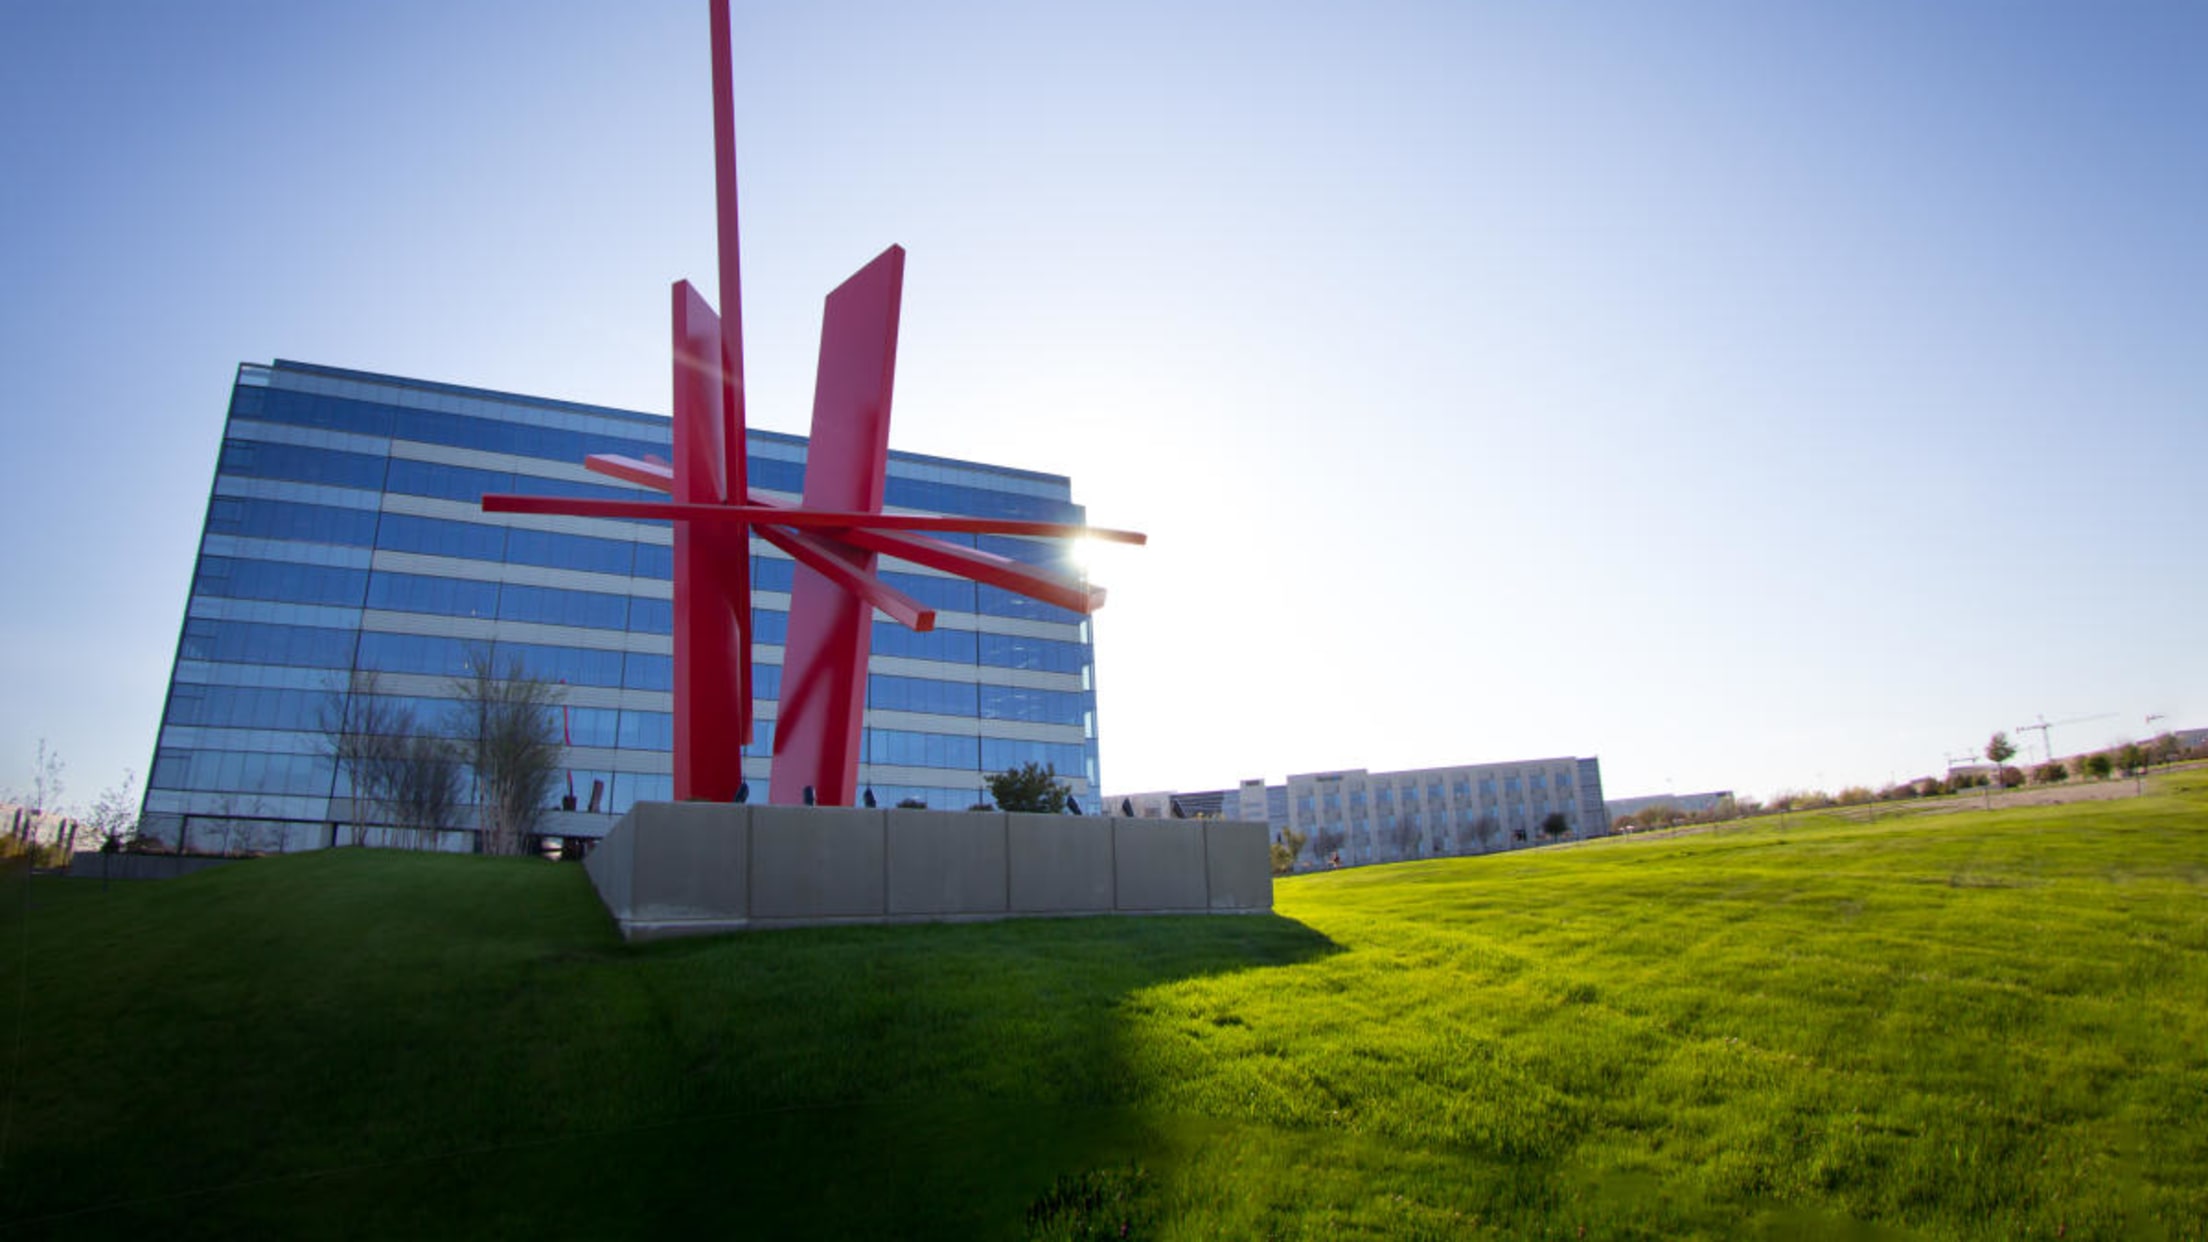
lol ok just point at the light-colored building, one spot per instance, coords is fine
(1687, 803)
(1372, 817)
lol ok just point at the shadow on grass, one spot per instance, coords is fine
(363, 1042)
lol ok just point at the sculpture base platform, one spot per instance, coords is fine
(697, 868)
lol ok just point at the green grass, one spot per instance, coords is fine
(1959, 1025)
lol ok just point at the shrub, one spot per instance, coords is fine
(2098, 767)
(2051, 773)
(2011, 777)
(1032, 787)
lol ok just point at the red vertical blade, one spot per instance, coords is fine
(732, 283)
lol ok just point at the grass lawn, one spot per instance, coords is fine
(1984, 1025)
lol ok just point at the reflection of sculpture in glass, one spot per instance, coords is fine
(835, 535)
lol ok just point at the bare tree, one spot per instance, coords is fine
(361, 731)
(398, 775)
(114, 815)
(45, 793)
(419, 784)
(509, 738)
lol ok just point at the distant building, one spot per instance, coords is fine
(1372, 817)
(1690, 804)
(21, 823)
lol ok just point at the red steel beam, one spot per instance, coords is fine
(657, 475)
(661, 510)
(819, 723)
(985, 567)
(823, 557)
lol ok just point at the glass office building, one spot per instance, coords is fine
(344, 536)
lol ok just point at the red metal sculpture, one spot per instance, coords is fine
(836, 535)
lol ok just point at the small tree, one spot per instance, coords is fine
(1285, 848)
(114, 816)
(2051, 773)
(1484, 829)
(2097, 766)
(1998, 750)
(1325, 842)
(511, 740)
(2132, 759)
(1031, 787)
(1555, 825)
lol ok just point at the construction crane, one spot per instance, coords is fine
(2046, 746)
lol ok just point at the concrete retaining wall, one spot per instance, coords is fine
(674, 869)
(87, 865)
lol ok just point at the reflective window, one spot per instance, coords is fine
(998, 602)
(1036, 706)
(920, 694)
(553, 606)
(922, 750)
(591, 726)
(433, 537)
(278, 405)
(630, 788)
(652, 616)
(283, 519)
(249, 642)
(1052, 554)
(429, 478)
(577, 666)
(955, 594)
(1042, 654)
(558, 551)
(770, 626)
(952, 646)
(414, 653)
(647, 731)
(238, 578)
(649, 672)
(301, 464)
(451, 597)
(1000, 754)
(247, 707)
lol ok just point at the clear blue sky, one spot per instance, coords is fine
(1755, 396)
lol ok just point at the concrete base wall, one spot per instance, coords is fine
(93, 865)
(675, 869)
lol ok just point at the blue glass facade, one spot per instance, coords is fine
(344, 536)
